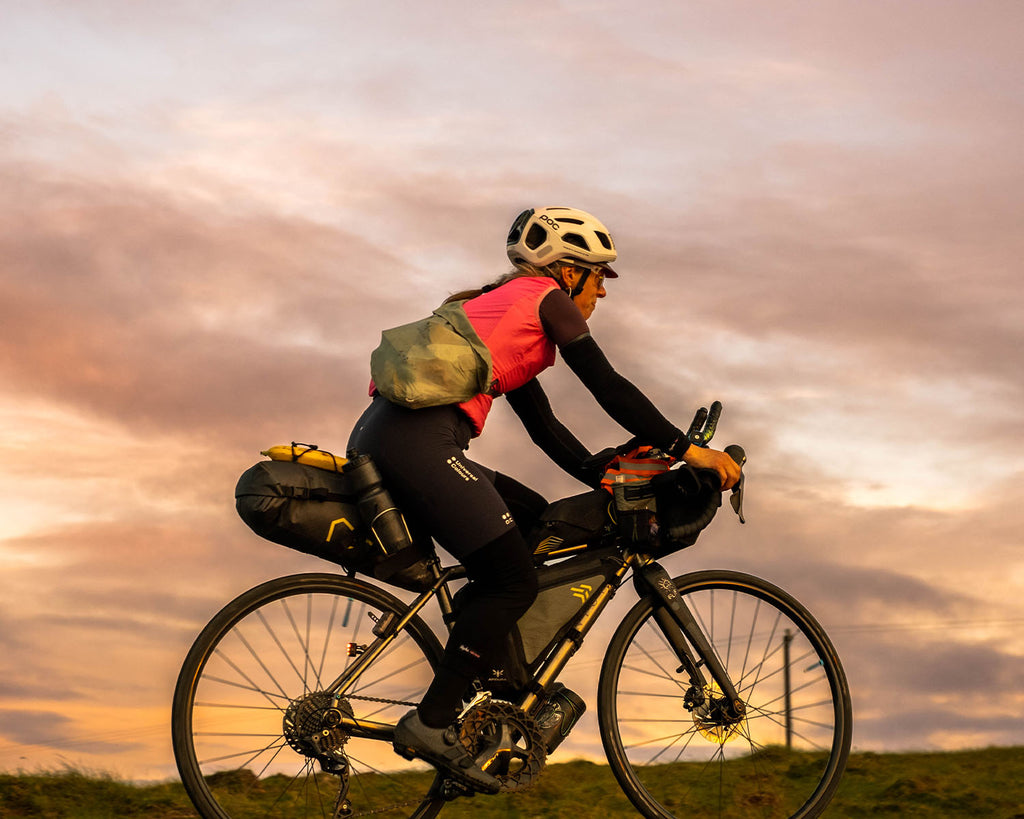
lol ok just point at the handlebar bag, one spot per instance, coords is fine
(663, 509)
(668, 512)
(431, 362)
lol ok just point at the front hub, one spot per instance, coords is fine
(716, 718)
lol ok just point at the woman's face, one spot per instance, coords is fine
(593, 289)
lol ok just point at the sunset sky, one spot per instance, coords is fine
(208, 212)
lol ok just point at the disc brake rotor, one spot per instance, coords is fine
(713, 718)
(505, 742)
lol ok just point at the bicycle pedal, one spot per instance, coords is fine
(453, 788)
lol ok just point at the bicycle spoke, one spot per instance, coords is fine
(256, 656)
(256, 697)
(249, 754)
(672, 745)
(272, 632)
(252, 686)
(329, 631)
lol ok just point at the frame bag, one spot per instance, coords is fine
(564, 588)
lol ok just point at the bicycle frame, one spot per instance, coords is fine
(678, 624)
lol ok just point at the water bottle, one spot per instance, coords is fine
(558, 715)
(376, 507)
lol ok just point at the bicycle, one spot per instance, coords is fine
(719, 694)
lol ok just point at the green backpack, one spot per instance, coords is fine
(434, 361)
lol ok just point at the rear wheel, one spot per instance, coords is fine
(679, 751)
(254, 733)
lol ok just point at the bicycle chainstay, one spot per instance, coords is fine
(505, 742)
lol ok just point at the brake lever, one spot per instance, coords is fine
(735, 451)
(701, 431)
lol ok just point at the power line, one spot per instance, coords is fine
(930, 626)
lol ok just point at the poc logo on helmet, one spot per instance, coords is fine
(549, 221)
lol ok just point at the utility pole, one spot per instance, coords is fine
(788, 705)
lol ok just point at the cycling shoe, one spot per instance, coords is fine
(441, 747)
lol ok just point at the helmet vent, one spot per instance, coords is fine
(517, 227)
(569, 220)
(605, 240)
(576, 240)
(535, 237)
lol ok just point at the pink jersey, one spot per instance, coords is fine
(507, 319)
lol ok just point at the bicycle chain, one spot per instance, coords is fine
(380, 699)
(338, 814)
(480, 715)
(375, 811)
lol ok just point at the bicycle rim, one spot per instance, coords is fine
(248, 710)
(676, 754)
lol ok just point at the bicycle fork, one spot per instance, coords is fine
(682, 631)
(676, 622)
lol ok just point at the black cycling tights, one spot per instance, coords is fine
(503, 585)
(474, 513)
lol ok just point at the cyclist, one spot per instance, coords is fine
(560, 260)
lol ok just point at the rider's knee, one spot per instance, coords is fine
(504, 567)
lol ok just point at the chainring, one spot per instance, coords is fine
(505, 742)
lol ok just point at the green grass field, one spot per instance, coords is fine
(984, 784)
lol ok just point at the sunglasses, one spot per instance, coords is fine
(597, 271)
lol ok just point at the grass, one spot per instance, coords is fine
(982, 784)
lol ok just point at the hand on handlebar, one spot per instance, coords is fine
(728, 470)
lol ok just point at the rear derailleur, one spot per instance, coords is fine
(312, 728)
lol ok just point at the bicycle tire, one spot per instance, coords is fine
(264, 655)
(782, 760)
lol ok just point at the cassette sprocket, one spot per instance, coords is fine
(505, 742)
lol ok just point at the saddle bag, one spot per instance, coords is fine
(310, 500)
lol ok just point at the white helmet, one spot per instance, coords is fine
(545, 235)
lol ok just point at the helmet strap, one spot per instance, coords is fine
(574, 291)
(579, 285)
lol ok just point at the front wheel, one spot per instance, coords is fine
(254, 732)
(679, 751)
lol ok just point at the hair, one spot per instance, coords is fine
(521, 270)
